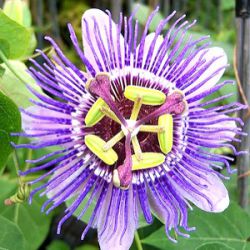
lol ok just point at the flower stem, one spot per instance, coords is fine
(9, 66)
(138, 241)
(16, 164)
(29, 156)
(45, 50)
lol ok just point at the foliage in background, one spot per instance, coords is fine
(24, 226)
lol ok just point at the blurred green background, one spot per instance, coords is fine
(33, 230)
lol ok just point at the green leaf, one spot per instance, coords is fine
(4, 46)
(214, 246)
(58, 245)
(232, 187)
(30, 221)
(18, 11)
(230, 228)
(87, 247)
(227, 5)
(14, 88)
(147, 229)
(32, 45)
(2, 70)
(10, 121)
(11, 237)
(142, 14)
(15, 35)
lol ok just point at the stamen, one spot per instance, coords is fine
(137, 148)
(109, 113)
(165, 138)
(150, 160)
(109, 144)
(95, 114)
(174, 104)
(151, 128)
(100, 86)
(96, 144)
(136, 108)
(149, 96)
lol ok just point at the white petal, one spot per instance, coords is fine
(58, 190)
(63, 79)
(149, 39)
(219, 125)
(220, 62)
(165, 216)
(116, 241)
(215, 191)
(102, 20)
(29, 124)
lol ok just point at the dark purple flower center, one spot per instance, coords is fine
(107, 128)
(128, 130)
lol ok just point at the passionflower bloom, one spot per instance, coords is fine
(134, 135)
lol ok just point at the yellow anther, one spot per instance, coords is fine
(96, 144)
(149, 160)
(109, 113)
(149, 96)
(95, 114)
(165, 138)
(151, 128)
(136, 108)
(109, 144)
(137, 148)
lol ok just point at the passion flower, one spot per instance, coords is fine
(133, 132)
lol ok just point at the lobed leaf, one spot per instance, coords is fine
(14, 88)
(227, 230)
(28, 219)
(15, 37)
(11, 236)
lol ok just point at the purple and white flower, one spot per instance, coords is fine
(133, 131)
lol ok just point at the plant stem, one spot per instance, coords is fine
(9, 66)
(138, 241)
(16, 164)
(29, 156)
(243, 64)
(45, 50)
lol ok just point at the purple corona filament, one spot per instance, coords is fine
(133, 131)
